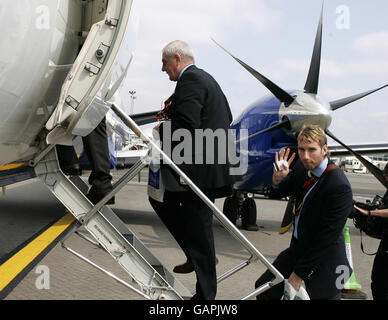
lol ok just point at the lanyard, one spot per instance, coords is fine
(308, 185)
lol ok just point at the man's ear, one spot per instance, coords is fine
(178, 58)
(325, 149)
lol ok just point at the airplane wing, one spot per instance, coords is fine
(144, 118)
(15, 172)
(365, 149)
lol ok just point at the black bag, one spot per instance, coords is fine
(375, 227)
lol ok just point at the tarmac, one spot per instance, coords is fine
(56, 274)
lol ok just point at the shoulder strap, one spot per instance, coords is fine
(331, 167)
(362, 247)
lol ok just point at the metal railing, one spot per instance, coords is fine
(231, 228)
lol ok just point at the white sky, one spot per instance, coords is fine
(276, 38)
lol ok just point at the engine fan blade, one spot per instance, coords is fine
(343, 102)
(278, 92)
(288, 216)
(370, 166)
(311, 85)
(282, 124)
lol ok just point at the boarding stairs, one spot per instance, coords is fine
(150, 279)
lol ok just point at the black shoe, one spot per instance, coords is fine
(95, 198)
(73, 170)
(251, 227)
(187, 267)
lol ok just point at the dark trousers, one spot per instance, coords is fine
(66, 156)
(190, 221)
(97, 151)
(284, 263)
(379, 283)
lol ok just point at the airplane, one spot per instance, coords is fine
(273, 123)
(62, 61)
(62, 66)
(57, 101)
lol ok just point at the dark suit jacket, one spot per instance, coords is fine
(199, 103)
(320, 248)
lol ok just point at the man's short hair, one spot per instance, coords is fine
(311, 133)
(181, 48)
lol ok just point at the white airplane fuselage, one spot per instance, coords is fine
(61, 61)
(39, 43)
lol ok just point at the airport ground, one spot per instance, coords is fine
(29, 208)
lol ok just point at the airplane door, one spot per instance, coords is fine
(98, 70)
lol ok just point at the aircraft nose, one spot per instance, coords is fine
(307, 109)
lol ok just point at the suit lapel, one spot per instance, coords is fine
(316, 188)
(312, 194)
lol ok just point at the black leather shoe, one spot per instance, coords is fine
(95, 198)
(187, 267)
(251, 227)
(73, 170)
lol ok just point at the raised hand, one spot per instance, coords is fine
(282, 165)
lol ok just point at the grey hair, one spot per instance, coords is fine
(181, 48)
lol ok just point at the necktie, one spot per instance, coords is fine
(307, 185)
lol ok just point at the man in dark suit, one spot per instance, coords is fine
(317, 253)
(198, 108)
